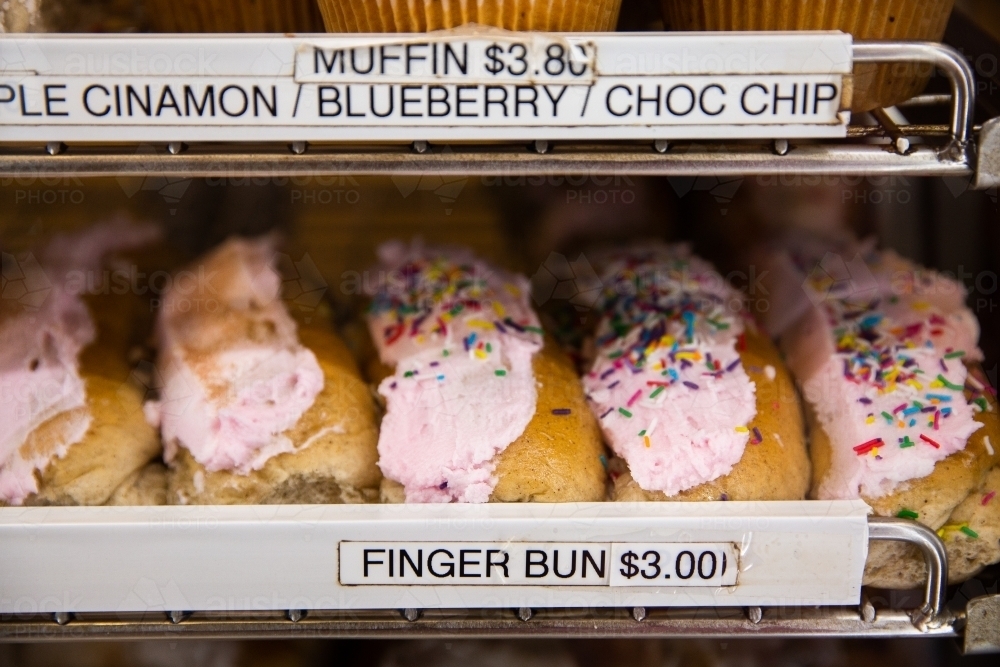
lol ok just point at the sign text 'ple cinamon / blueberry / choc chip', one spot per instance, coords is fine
(408, 87)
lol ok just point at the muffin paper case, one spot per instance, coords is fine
(874, 85)
(426, 15)
(234, 15)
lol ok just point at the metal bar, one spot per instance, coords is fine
(773, 622)
(949, 60)
(911, 532)
(926, 101)
(704, 159)
(899, 139)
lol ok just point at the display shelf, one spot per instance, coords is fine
(96, 599)
(956, 149)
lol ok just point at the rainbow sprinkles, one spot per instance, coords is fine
(667, 384)
(461, 336)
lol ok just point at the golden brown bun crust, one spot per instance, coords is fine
(117, 445)
(558, 458)
(948, 496)
(775, 469)
(146, 486)
(334, 468)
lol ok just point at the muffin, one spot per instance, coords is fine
(234, 15)
(874, 85)
(426, 15)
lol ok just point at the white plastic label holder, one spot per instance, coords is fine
(286, 557)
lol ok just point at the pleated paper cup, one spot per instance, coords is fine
(426, 15)
(874, 85)
(234, 15)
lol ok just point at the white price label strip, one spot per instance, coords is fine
(221, 558)
(537, 564)
(445, 87)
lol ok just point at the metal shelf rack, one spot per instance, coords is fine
(957, 149)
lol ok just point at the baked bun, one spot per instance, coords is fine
(695, 402)
(479, 405)
(74, 432)
(900, 413)
(255, 408)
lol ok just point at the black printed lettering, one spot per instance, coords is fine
(462, 562)
(587, 556)
(325, 101)
(418, 568)
(555, 100)
(502, 101)
(404, 100)
(555, 564)
(531, 563)
(368, 562)
(258, 96)
(743, 99)
(207, 100)
(86, 99)
(49, 100)
(490, 563)
(518, 101)
(450, 572)
(610, 108)
(164, 103)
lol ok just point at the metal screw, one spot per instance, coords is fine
(525, 613)
(298, 147)
(176, 147)
(639, 613)
(295, 615)
(411, 614)
(62, 617)
(541, 146)
(868, 611)
(55, 147)
(755, 614)
(176, 616)
(661, 145)
(421, 147)
(781, 146)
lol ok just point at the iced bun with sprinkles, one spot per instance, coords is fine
(901, 415)
(470, 383)
(671, 384)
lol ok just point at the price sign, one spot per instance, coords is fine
(471, 85)
(675, 564)
(448, 556)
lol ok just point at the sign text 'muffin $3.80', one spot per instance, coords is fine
(538, 564)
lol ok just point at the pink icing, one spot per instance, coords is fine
(44, 325)
(667, 383)
(234, 374)
(879, 353)
(461, 336)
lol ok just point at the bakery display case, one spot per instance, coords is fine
(329, 369)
